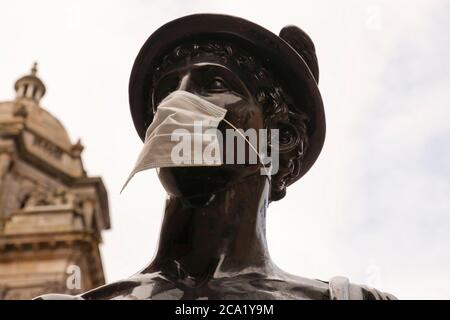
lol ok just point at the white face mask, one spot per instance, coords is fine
(182, 115)
(179, 111)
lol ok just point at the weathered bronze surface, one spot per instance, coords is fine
(213, 238)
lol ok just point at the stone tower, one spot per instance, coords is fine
(51, 212)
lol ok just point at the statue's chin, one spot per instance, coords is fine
(201, 182)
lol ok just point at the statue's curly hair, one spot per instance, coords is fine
(279, 112)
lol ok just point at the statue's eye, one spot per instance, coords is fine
(217, 84)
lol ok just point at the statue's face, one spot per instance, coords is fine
(220, 84)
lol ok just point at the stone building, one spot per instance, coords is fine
(51, 212)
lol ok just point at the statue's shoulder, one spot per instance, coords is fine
(138, 287)
(129, 289)
(57, 296)
(340, 288)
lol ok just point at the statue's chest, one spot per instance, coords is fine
(229, 289)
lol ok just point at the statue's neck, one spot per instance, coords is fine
(217, 234)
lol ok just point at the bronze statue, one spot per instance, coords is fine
(213, 242)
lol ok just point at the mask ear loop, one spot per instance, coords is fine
(251, 146)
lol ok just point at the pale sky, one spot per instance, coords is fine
(376, 205)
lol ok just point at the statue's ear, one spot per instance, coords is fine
(304, 46)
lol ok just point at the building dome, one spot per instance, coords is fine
(29, 91)
(42, 132)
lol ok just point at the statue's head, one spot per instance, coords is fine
(263, 82)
